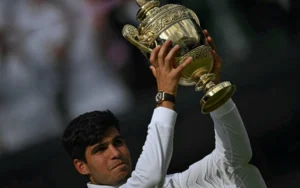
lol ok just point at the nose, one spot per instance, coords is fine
(115, 153)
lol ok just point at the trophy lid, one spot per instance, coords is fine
(142, 2)
(145, 7)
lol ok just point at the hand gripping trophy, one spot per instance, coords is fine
(180, 25)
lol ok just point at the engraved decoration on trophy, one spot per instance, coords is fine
(182, 26)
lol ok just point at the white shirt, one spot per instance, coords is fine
(226, 167)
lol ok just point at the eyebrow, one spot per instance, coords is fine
(103, 144)
(118, 137)
(96, 148)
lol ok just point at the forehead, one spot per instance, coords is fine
(110, 134)
(108, 137)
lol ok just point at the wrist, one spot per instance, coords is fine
(170, 91)
(165, 99)
(166, 104)
(168, 88)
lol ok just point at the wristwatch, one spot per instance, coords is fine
(163, 96)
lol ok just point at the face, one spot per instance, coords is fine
(108, 162)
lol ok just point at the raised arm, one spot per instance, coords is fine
(233, 150)
(232, 142)
(227, 165)
(157, 150)
(154, 161)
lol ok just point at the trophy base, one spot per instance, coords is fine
(216, 96)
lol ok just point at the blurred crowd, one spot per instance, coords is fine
(60, 58)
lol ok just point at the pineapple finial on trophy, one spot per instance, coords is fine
(145, 7)
(142, 2)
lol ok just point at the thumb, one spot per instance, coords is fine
(153, 70)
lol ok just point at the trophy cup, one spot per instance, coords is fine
(180, 25)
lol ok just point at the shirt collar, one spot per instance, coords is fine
(90, 185)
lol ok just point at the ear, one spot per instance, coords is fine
(81, 167)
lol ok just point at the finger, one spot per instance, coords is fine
(153, 56)
(183, 65)
(153, 70)
(163, 52)
(211, 43)
(170, 58)
(174, 64)
(209, 39)
(217, 59)
(205, 32)
(217, 67)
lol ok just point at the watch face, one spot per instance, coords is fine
(158, 97)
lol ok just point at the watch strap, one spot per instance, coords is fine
(168, 97)
(164, 96)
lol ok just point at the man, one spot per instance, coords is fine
(99, 152)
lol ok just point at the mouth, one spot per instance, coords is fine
(120, 165)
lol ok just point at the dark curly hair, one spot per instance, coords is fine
(86, 130)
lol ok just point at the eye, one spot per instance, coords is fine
(100, 149)
(118, 142)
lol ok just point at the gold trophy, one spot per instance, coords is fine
(180, 25)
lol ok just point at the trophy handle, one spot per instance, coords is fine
(131, 34)
(194, 16)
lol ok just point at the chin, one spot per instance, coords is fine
(122, 173)
(123, 176)
(120, 180)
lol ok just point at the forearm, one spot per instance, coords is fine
(232, 142)
(225, 164)
(152, 165)
(167, 104)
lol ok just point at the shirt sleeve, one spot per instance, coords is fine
(155, 158)
(228, 164)
(232, 143)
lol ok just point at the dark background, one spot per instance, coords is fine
(267, 90)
